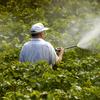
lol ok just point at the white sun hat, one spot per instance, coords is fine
(37, 28)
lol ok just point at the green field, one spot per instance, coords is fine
(77, 77)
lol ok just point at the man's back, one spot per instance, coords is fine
(36, 50)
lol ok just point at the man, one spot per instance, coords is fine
(38, 49)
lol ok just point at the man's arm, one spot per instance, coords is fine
(55, 56)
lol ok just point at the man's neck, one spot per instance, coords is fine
(37, 39)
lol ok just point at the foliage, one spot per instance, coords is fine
(77, 77)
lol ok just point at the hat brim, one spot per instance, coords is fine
(44, 29)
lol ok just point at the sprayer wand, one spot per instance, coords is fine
(70, 47)
(58, 49)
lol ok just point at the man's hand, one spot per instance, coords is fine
(60, 51)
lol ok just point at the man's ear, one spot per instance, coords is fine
(42, 34)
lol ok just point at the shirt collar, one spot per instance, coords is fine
(37, 39)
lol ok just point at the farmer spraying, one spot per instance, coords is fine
(38, 49)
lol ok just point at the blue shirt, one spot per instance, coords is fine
(38, 49)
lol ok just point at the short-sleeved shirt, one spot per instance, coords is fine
(38, 49)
